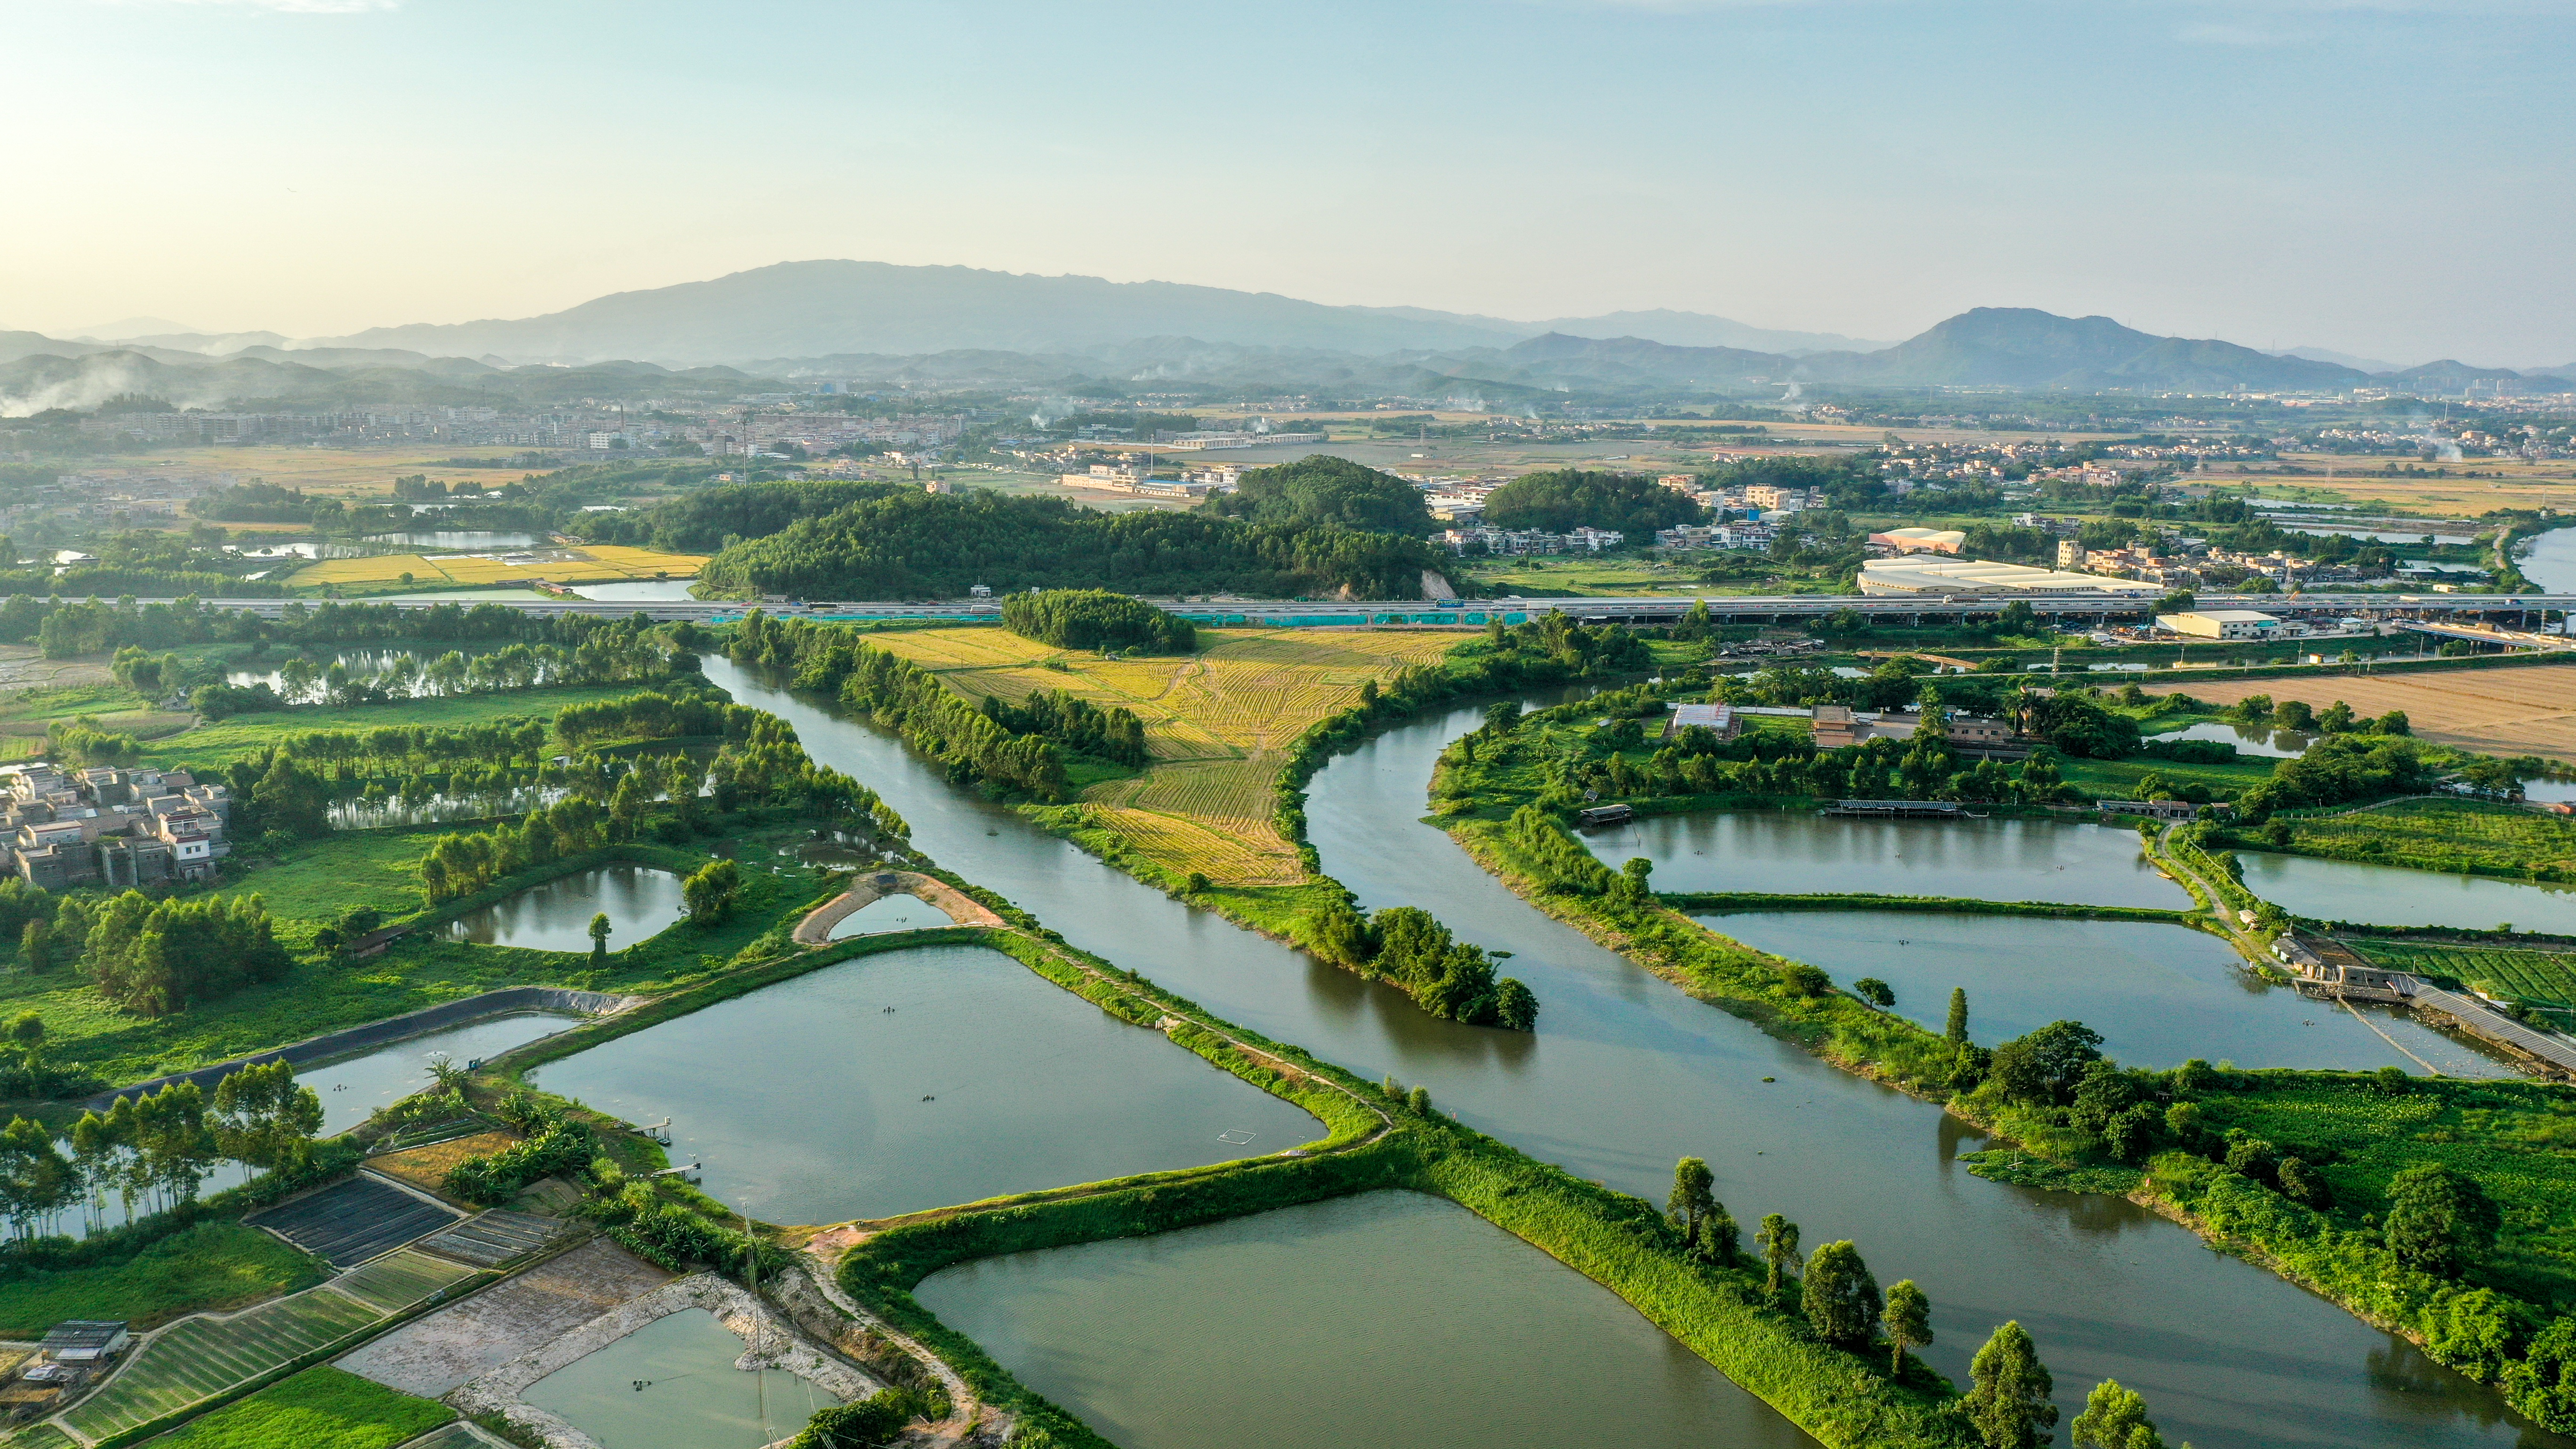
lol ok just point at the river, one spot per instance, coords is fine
(1626, 1074)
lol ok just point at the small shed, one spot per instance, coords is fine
(1604, 815)
(85, 1342)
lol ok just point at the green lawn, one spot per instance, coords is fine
(2118, 779)
(222, 742)
(210, 1266)
(318, 880)
(2484, 837)
(320, 1408)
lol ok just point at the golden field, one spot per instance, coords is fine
(589, 563)
(2527, 711)
(1216, 723)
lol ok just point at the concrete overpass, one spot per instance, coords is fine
(2073, 610)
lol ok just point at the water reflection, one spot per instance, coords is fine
(2391, 895)
(1801, 854)
(2246, 739)
(1496, 1344)
(917, 1078)
(639, 900)
(1625, 1074)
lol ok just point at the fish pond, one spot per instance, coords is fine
(1401, 1313)
(2392, 895)
(1804, 854)
(916, 1078)
(890, 913)
(353, 1088)
(2245, 739)
(672, 1384)
(554, 915)
(2159, 995)
(1626, 1073)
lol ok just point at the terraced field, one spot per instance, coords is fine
(201, 1357)
(1215, 723)
(398, 1280)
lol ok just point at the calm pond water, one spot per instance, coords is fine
(2158, 994)
(456, 540)
(353, 1089)
(891, 913)
(1626, 1074)
(693, 1397)
(2245, 739)
(1996, 860)
(918, 1078)
(2392, 895)
(1150, 1342)
(555, 916)
(2550, 561)
(638, 589)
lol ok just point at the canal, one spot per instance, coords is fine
(1626, 1074)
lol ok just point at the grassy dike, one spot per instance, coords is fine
(1378, 1142)
(1373, 1142)
(1729, 901)
(2485, 1327)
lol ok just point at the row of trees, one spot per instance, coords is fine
(71, 624)
(1097, 619)
(153, 1151)
(1411, 949)
(2008, 1399)
(972, 742)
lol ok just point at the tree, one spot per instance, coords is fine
(1515, 1005)
(599, 939)
(2180, 601)
(1956, 1031)
(36, 947)
(2115, 1418)
(1908, 1319)
(709, 892)
(1874, 991)
(1778, 1238)
(1718, 1234)
(1501, 716)
(1841, 1296)
(2542, 1383)
(293, 799)
(2439, 1220)
(1693, 1198)
(263, 1120)
(2043, 1067)
(2008, 1395)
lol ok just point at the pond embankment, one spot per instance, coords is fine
(874, 886)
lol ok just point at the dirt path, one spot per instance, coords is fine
(816, 928)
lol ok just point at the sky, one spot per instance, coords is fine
(2387, 178)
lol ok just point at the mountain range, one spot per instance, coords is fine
(961, 326)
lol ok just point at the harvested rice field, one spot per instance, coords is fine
(2529, 710)
(589, 563)
(1216, 724)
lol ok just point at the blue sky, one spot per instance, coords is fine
(2390, 179)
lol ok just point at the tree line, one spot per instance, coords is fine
(911, 544)
(1017, 748)
(74, 624)
(152, 1151)
(2007, 1405)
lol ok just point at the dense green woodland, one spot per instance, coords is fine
(1097, 619)
(1560, 501)
(1320, 489)
(904, 543)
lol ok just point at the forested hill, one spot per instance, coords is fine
(906, 544)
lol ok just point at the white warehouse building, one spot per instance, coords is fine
(2221, 624)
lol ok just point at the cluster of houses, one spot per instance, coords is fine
(1526, 541)
(110, 827)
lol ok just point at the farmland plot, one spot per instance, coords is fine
(1216, 724)
(2547, 977)
(200, 1357)
(2523, 711)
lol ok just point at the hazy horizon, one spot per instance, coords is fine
(2374, 177)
